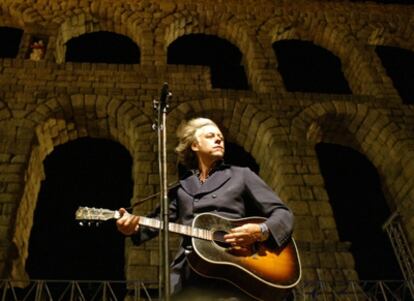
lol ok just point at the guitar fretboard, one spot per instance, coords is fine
(177, 228)
(99, 214)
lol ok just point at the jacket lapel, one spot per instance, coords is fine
(192, 185)
(215, 181)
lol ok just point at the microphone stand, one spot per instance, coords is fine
(164, 274)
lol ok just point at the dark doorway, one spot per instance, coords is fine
(306, 67)
(223, 58)
(360, 210)
(399, 64)
(102, 47)
(84, 172)
(236, 155)
(10, 41)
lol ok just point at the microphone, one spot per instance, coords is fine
(164, 94)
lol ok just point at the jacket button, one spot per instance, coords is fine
(196, 199)
(214, 196)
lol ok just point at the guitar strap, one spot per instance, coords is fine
(151, 196)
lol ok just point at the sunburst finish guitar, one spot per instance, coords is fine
(261, 271)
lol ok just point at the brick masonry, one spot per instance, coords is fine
(47, 103)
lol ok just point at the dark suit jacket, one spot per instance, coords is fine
(230, 191)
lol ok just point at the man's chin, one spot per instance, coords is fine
(218, 155)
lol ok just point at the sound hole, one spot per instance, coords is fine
(218, 237)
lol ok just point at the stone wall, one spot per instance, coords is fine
(47, 103)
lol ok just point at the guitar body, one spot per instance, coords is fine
(260, 271)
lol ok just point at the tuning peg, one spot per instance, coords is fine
(81, 224)
(97, 224)
(89, 224)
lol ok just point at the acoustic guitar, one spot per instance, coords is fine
(262, 271)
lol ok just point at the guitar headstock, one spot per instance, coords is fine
(95, 214)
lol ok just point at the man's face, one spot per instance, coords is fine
(210, 142)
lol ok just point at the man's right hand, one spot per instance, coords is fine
(127, 224)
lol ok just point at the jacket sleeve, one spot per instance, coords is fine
(145, 233)
(279, 217)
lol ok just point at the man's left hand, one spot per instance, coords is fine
(244, 235)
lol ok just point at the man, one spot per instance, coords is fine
(213, 186)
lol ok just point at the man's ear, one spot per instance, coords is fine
(194, 146)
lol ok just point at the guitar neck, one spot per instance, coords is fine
(176, 228)
(100, 214)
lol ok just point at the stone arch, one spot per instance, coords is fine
(59, 121)
(94, 115)
(393, 32)
(366, 130)
(21, 13)
(338, 39)
(80, 24)
(9, 21)
(234, 31)
(396, 32)
(224, 25)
